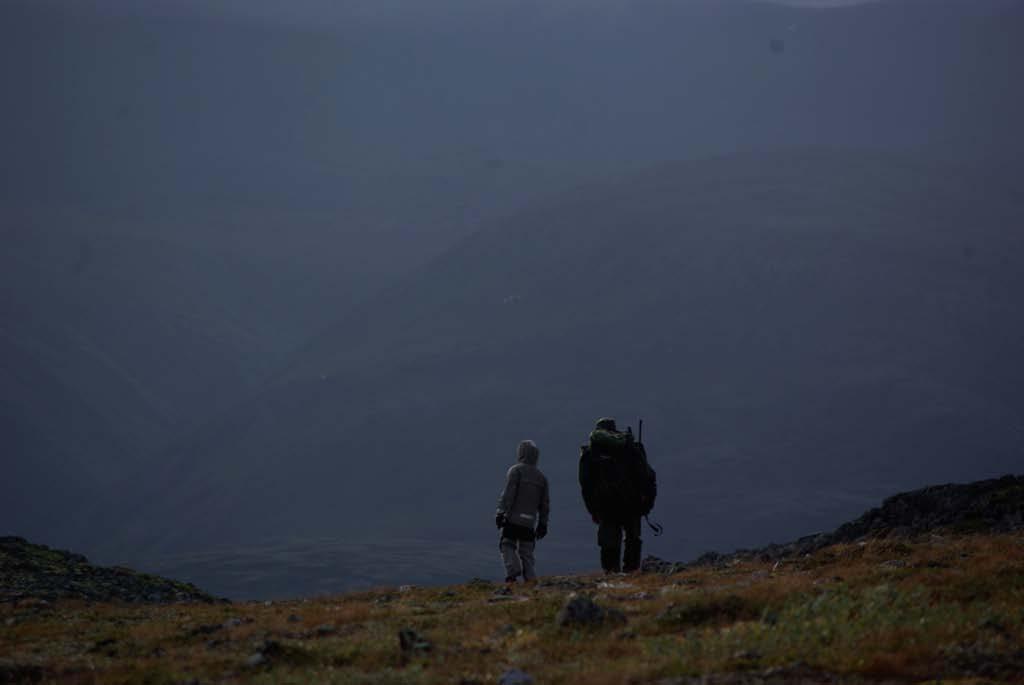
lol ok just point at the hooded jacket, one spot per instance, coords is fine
(525, 501)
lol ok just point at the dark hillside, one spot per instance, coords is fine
(803, 332)
(30, 573)
(990, 507)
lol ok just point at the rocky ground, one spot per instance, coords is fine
(889, 602)
(37, 573)
(995, 505)
(912, 610)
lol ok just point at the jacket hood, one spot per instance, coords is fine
(528, 453)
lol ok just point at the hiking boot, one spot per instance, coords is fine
(510, 580)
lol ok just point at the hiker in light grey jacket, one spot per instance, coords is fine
(522, 513)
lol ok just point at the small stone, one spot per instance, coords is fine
(412, 642)
(325, 630)
(33, 603)
(232, 623)
(257, 659)
(406, 588)
(103, 645)
(583, 611)
(506, 630)
(294, 618)
(515, 677)
(270, 647)
(561, 583)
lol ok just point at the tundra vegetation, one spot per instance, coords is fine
(932, 606)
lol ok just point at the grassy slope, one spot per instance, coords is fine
(949, 607)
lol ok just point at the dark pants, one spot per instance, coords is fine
(609, 537)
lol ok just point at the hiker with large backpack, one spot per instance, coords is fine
(619, 488)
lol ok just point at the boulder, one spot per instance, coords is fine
(583, 611)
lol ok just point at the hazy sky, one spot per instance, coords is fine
(820, 3)
(328, 12)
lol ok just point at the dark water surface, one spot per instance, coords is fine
(310, 568)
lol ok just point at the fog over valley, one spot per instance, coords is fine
(283, 287)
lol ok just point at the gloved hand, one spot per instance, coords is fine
(542, 530)
(500, 520)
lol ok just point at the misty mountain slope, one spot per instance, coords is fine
(153, 313)
(802, 330)
(111, 344)
(73, 448)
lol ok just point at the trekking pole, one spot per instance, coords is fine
(640, 431)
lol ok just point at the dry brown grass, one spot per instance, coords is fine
(950, 607)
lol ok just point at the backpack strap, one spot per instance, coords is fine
(655, 527)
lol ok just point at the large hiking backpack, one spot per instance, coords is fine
(619, 477)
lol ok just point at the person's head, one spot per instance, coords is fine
(606, 423)
(527, 452)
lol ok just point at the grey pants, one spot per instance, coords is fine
(518, 557)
